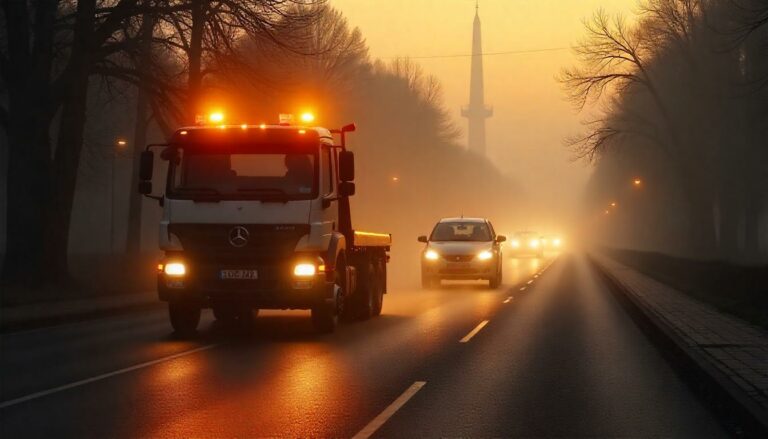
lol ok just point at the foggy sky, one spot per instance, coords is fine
(531, 118)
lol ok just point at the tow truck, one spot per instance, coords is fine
(258, 217)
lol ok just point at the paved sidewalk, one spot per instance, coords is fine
(50, 313)
(732, 346)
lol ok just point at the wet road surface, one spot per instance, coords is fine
(550, 353)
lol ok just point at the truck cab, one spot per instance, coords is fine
(258, 217)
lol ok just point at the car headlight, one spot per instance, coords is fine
(515, 243)
(431, 255)
(304, 270)
(175, 269)
(556, 242)
(534, 243)
(484, 255)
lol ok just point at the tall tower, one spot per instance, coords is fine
(476, 112)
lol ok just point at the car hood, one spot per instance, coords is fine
(460, 247)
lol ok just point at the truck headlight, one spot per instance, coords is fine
(175, 269)
(304, 270)
(431, 255)
(484, 255)
(534, 243)
(515, 243)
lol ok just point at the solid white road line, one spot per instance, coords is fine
(508, 299)
(473, 332)
(378, 421)
(58, 389)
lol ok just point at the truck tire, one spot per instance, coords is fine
(184, 317)
(325, 317)
(381, 282)
(365, 303)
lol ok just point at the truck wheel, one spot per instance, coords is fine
(366, 300)
(325, 317)
(378, 298)
(184, 317)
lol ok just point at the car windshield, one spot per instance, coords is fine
(245, 175)
(461, 231)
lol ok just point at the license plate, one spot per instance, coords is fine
(239, 274)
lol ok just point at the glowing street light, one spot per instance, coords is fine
(637, 182)
(395, 179)
(613, 204)
(122, 142)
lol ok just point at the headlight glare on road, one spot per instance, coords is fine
(484, 255)
(304, 270)
(431, 255)
(175, 269)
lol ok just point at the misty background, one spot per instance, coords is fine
(389, 66)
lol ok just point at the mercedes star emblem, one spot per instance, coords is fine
(238, 236)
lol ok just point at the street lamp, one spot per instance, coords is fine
(637, 182)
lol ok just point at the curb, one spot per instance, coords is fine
(743, 417)
(9, 326)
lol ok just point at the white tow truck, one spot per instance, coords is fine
(258, 217)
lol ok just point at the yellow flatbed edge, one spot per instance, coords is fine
(370, 239)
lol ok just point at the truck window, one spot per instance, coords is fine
(327, 166)
(245, 175)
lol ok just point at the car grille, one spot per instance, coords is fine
(458, 258)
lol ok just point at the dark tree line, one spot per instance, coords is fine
(52, 50)
(678, 99)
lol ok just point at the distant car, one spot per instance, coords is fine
(551, 242)
(526, 243)
(461, 249)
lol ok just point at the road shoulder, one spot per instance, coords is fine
(726, 357)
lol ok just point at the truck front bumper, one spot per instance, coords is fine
(275, 287)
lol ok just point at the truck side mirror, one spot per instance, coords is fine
(423, 239)
(145, 187)
(346, 189)
(346, 166)
(146, 165)
(501, 238)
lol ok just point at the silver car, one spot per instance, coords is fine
(461, 249)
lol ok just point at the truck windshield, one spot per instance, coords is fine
(461, 232)
(244, 175)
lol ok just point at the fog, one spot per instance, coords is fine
(569, 135)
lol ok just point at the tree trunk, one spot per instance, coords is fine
(69, 145)
(133, 245)
(29, 43)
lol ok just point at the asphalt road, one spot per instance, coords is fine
(560, 358)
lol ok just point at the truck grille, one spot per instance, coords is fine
(214, 243)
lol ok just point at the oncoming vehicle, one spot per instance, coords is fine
(526, 243)
(462, 249)
(551, 242)
(258, 217)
